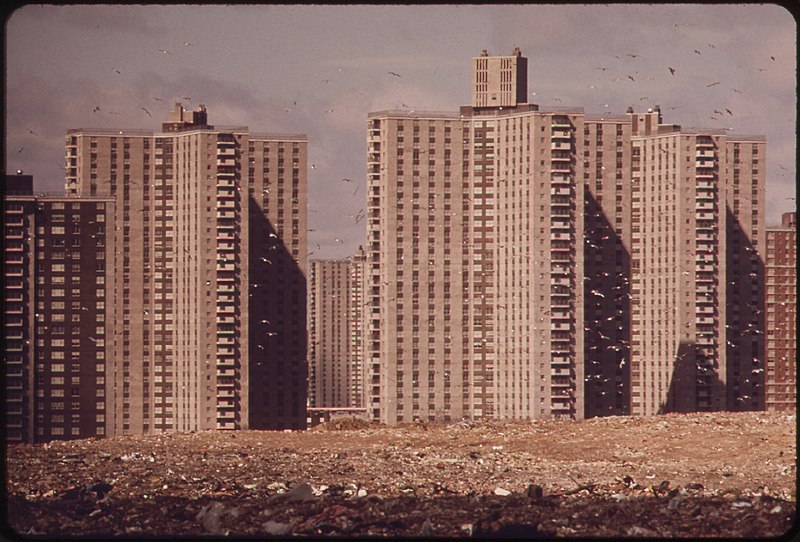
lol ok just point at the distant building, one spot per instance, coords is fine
(335, 314)
(525, 262)
(210, 276)
(781, 329)
(58, 284)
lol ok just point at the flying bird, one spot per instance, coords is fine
(631, 78)
(698, 52)
(671, 70)
(395, 74)
(148, 112)
(164, 51)
(712, 84)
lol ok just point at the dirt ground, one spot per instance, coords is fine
(695, 475)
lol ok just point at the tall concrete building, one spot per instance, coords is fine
(58, 331)
(781, 327)
(523, 262)
(336, 332)
(697, 277)
(211, 243)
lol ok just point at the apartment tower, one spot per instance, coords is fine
(781, 327)
(59, 289)
(210, 276)
(524, 262)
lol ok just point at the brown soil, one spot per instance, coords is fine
(695, 475)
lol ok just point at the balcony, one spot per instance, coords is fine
(226, 372)
(226, 319)
(704, 310)
(225, 341)
(561, 191)
(225, 183)
(701, 320)
(705, 247)
(704, 162)
(704, 341)
(225, 362)
(704, 216)
(226, 215)
(560, 236)
(561, 131)
(560, 281)
(704, 184)
(561, 145)
(704, 194)
(704, 268)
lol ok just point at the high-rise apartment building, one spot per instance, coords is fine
(210, 276)
(697, 277)
(781, 327)
(524, 262)
(335, 324)
(328, 349)
(58, 285)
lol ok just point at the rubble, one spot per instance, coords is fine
(690, 475)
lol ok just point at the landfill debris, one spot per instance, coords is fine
(608, 477)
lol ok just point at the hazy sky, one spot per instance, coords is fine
(319, 70)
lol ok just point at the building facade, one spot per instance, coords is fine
(781, 328)
(210, 236)
(59, 292)
(526, 262)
